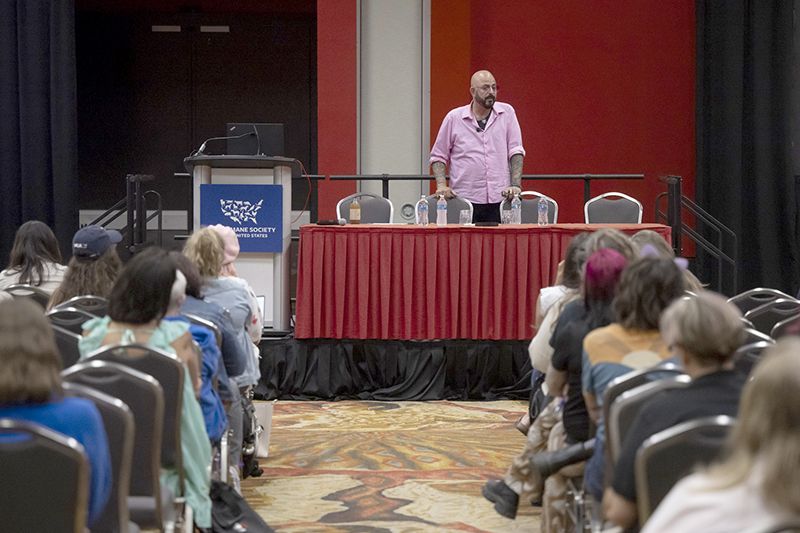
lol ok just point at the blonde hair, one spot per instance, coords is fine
(610, 238)
(642, 238)
(206, 250)
(768, 430)
(706, 326)
(29, 360)
(646, 237)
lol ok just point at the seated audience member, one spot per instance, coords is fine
(703, 332)
(254, 330)
(649, 242)
(571, 309)
(632, 342)
(755, 487)
(570, 423)
(210, 362)
(206, 249)
(549, 305)
(231, 247)
(553, 299)
(138, 302)
(94, 265)
(234, 355)
(35, 259)
(30, 390)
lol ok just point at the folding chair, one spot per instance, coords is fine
(454, 207)
(755, 298)
(69, 318)
(633, 379)
(374, 209)
(94, 305)
(790, 326)
(150, 505)
(756, 336)
(169, 373)
(119, 426)
(22, 290)
(45, 477)
(194, 319)
(623, 410)
(748, 356)
(669, 455)
(766, 316)
(67, 344)
(530, 207)
(613, 208)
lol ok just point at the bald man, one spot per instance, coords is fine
(482, 144)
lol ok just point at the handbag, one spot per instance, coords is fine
(231, 513)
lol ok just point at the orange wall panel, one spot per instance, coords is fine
(337, 99)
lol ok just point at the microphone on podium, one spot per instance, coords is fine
(202, 149)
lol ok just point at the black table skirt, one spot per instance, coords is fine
(325, 369)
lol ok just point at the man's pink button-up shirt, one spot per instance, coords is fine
(479, 168)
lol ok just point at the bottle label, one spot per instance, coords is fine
(355, 216)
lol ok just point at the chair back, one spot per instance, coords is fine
(69, 318)
(94, 305)
(118, 423)
(67, 344)
(199, 321)
(530, 207)
(168, 371)
(45, 479)
(669, 455)
(374, 209)
(752, 335)
(455, 205)
(31, 292)
(789, 326)
(144, 397)
(623, 411)
(748, 356)
(766, 316)
(613, 208)
(636, 378)
(757, 297)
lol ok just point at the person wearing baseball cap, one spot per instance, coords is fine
(94, 265)
(90, 242)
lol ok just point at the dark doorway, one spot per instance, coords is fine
(153, 85)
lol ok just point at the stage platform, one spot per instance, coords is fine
(327, 369)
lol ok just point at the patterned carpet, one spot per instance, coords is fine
(355, 466)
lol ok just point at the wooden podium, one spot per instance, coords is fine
(267, 273)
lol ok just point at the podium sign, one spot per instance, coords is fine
(254, 212)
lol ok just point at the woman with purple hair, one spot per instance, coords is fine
(565, 421)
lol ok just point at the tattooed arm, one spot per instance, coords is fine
(441, 181)
(516, 176)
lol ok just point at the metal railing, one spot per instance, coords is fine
(134, 205)
(720, 238)
(587, 179)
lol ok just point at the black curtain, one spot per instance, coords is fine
(38, 124)
(744, 116)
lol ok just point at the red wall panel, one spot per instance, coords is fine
(599, 87)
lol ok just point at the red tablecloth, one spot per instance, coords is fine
(412, 282)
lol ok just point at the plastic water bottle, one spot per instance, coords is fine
(516, 210)
(543, 209)
(422, 211)
(441, 211)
